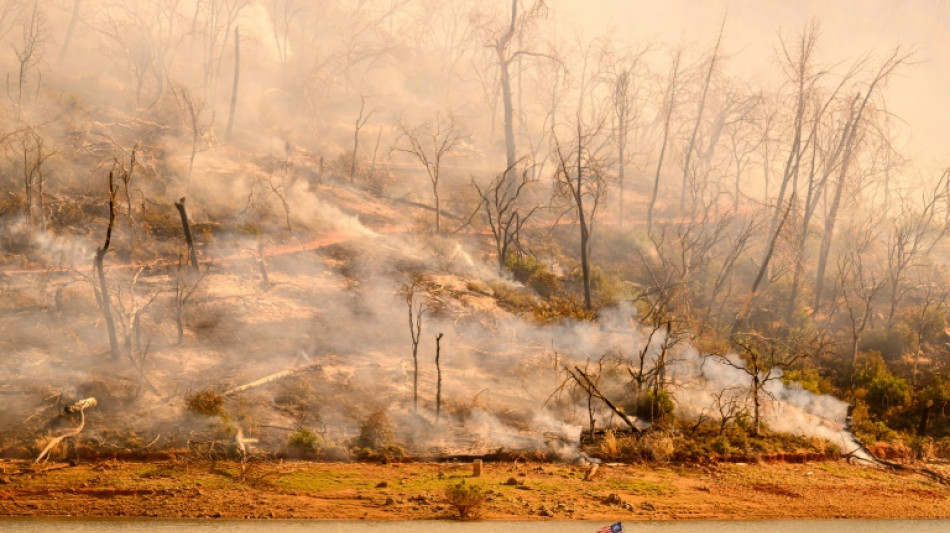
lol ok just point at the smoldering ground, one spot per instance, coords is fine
(299, 132)
(343, 306)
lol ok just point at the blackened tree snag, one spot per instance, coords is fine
(180, 205)
(105, 302)
(438, 382)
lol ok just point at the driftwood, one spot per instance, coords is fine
(79, 406)
(271, 378)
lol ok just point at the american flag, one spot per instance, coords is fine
(614, 528)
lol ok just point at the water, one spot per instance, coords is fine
(87, 525)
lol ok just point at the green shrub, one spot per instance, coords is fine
(467, 500)
(722, 446)
(305, 442)
(656, 407)
(886, 392)
(533, 273)
(809, 379)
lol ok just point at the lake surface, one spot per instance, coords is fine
(86, 525)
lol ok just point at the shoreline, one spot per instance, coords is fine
(514, 491)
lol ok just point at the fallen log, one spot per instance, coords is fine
(79, 406)
(271, 378)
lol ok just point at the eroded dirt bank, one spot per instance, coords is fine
(516, 491)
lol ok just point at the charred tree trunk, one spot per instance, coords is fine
(105, 301)
(438, 383)
(192, 255)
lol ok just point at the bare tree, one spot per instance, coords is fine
(278, 184)
(654, 376)
(506, 54)
(416, 312)
(504, 210)
(147, 34)
(29, 52)
(201, 131)
(729, 406)
(926, 320)
(858, 282)
(429, 143)
(136, 349)
(763, 360)
(360, 122)
(887, 67)
(581, 178)
(914, 233)
(214, 22)
(31, 150)
(581, 173)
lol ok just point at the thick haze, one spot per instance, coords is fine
(849, 29)
(155, 78)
